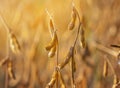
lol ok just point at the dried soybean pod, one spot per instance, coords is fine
(53, 42)
(52, 52)
(51, 25)
(82, 37)
(73, 19)
(52, 46)
(14, 44)
(105, 68)
(115, 82)
(69, 55)
(10, 70)
(62, 83)
(53, 80)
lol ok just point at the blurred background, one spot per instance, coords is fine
(29, 21)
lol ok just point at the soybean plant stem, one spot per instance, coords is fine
(78, 28)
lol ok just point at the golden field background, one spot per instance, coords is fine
(28, 20)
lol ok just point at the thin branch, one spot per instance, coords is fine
(104, 49)
(77, 35)
(57, 53)
(4, 23)
(78, 27)
(51, 23)
(110, 64)
(57, 62)
(8, 31)
(6, 76)
(8, 50)
(115, 46)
